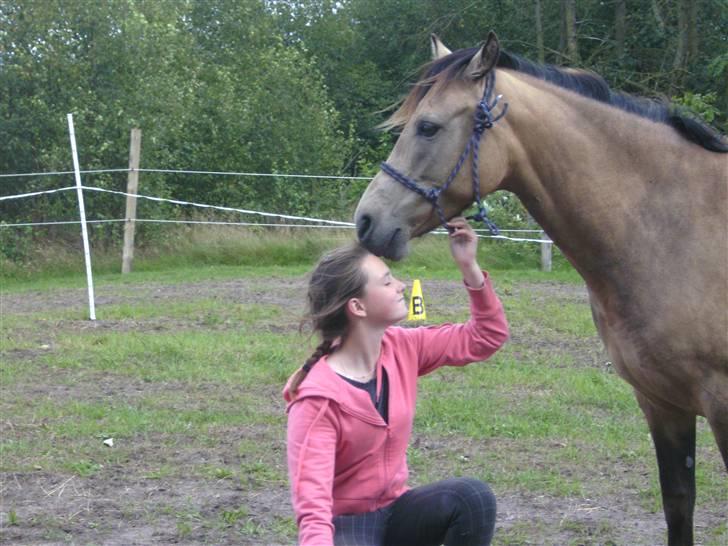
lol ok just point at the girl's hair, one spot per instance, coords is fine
(337, 278)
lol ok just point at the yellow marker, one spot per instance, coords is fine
(417, 303)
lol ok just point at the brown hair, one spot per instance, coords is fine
(336, 279)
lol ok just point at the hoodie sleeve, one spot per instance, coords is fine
(459, 344)
(312, 438)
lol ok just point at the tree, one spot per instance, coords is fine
(682, 50)
(620, 27)
(212, 85)
(91, 59)
(568, 28)
(539, 32)
(282, 86)
(262, 106)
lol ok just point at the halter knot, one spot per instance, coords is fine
(433, 194)
(482, 216)
(483, 118)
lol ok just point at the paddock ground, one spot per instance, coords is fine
(220, 479)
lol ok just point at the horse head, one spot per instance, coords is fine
(437, 121)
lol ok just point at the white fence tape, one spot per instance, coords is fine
(60, 223)
(217, 207)
(34, 193)
(181, 171)
(249, 224)
(253, 175)
(317, 221)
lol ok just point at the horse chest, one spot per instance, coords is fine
(656, 364)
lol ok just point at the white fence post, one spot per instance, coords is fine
(132, 188)
(546, 252)
(82, 211)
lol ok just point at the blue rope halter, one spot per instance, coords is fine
(484, 119)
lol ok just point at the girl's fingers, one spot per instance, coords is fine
(456, 224)
(459, 227)
(459, 220)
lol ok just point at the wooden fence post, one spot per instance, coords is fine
(132, 187)
(546, 252)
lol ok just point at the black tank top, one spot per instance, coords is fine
(382, 404)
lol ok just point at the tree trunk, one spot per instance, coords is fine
(658, 16)
(693, 30)
(681, 51)
(620, 27)
(569, 28)
(539, 34)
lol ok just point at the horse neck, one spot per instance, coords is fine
(582, 167)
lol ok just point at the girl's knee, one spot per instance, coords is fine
(469, 493)
(475, 512)
(481, 491)
(473, 487)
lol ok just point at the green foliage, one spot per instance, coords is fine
(277, 87)
(719, 65)
(15, 243)
(701, 104)
(505, 209)
(209, 83)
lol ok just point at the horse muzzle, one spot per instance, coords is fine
(382, 237)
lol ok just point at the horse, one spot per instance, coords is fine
(633, 192)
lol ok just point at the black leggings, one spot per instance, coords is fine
(453, 512)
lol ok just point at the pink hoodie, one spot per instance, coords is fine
(342, 457)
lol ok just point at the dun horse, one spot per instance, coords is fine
(634, 194)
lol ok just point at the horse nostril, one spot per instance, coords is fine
(362, 226)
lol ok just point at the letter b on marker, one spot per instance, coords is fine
(417, 303)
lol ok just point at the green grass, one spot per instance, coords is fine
(207, 311)
(265, 358)
(204, 254)
(189, 388)
(531, 402)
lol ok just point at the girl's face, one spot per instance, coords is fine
(383, 297)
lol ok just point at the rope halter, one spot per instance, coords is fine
(483, 119)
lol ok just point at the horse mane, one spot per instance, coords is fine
(589, 84)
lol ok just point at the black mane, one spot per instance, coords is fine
(588, 84)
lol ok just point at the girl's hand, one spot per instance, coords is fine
(464, 248)
(463, 241)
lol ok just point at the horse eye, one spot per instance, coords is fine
(427, 129)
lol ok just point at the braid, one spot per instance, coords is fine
(324, 348)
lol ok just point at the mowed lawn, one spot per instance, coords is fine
(183, 370)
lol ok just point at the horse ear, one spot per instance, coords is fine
(439, 50)
(485, 59)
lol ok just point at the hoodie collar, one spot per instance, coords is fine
(324, 382)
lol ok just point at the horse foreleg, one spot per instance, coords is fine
(673, 433)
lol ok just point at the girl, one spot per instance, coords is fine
(351, 407)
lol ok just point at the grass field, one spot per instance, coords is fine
(184, 368)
